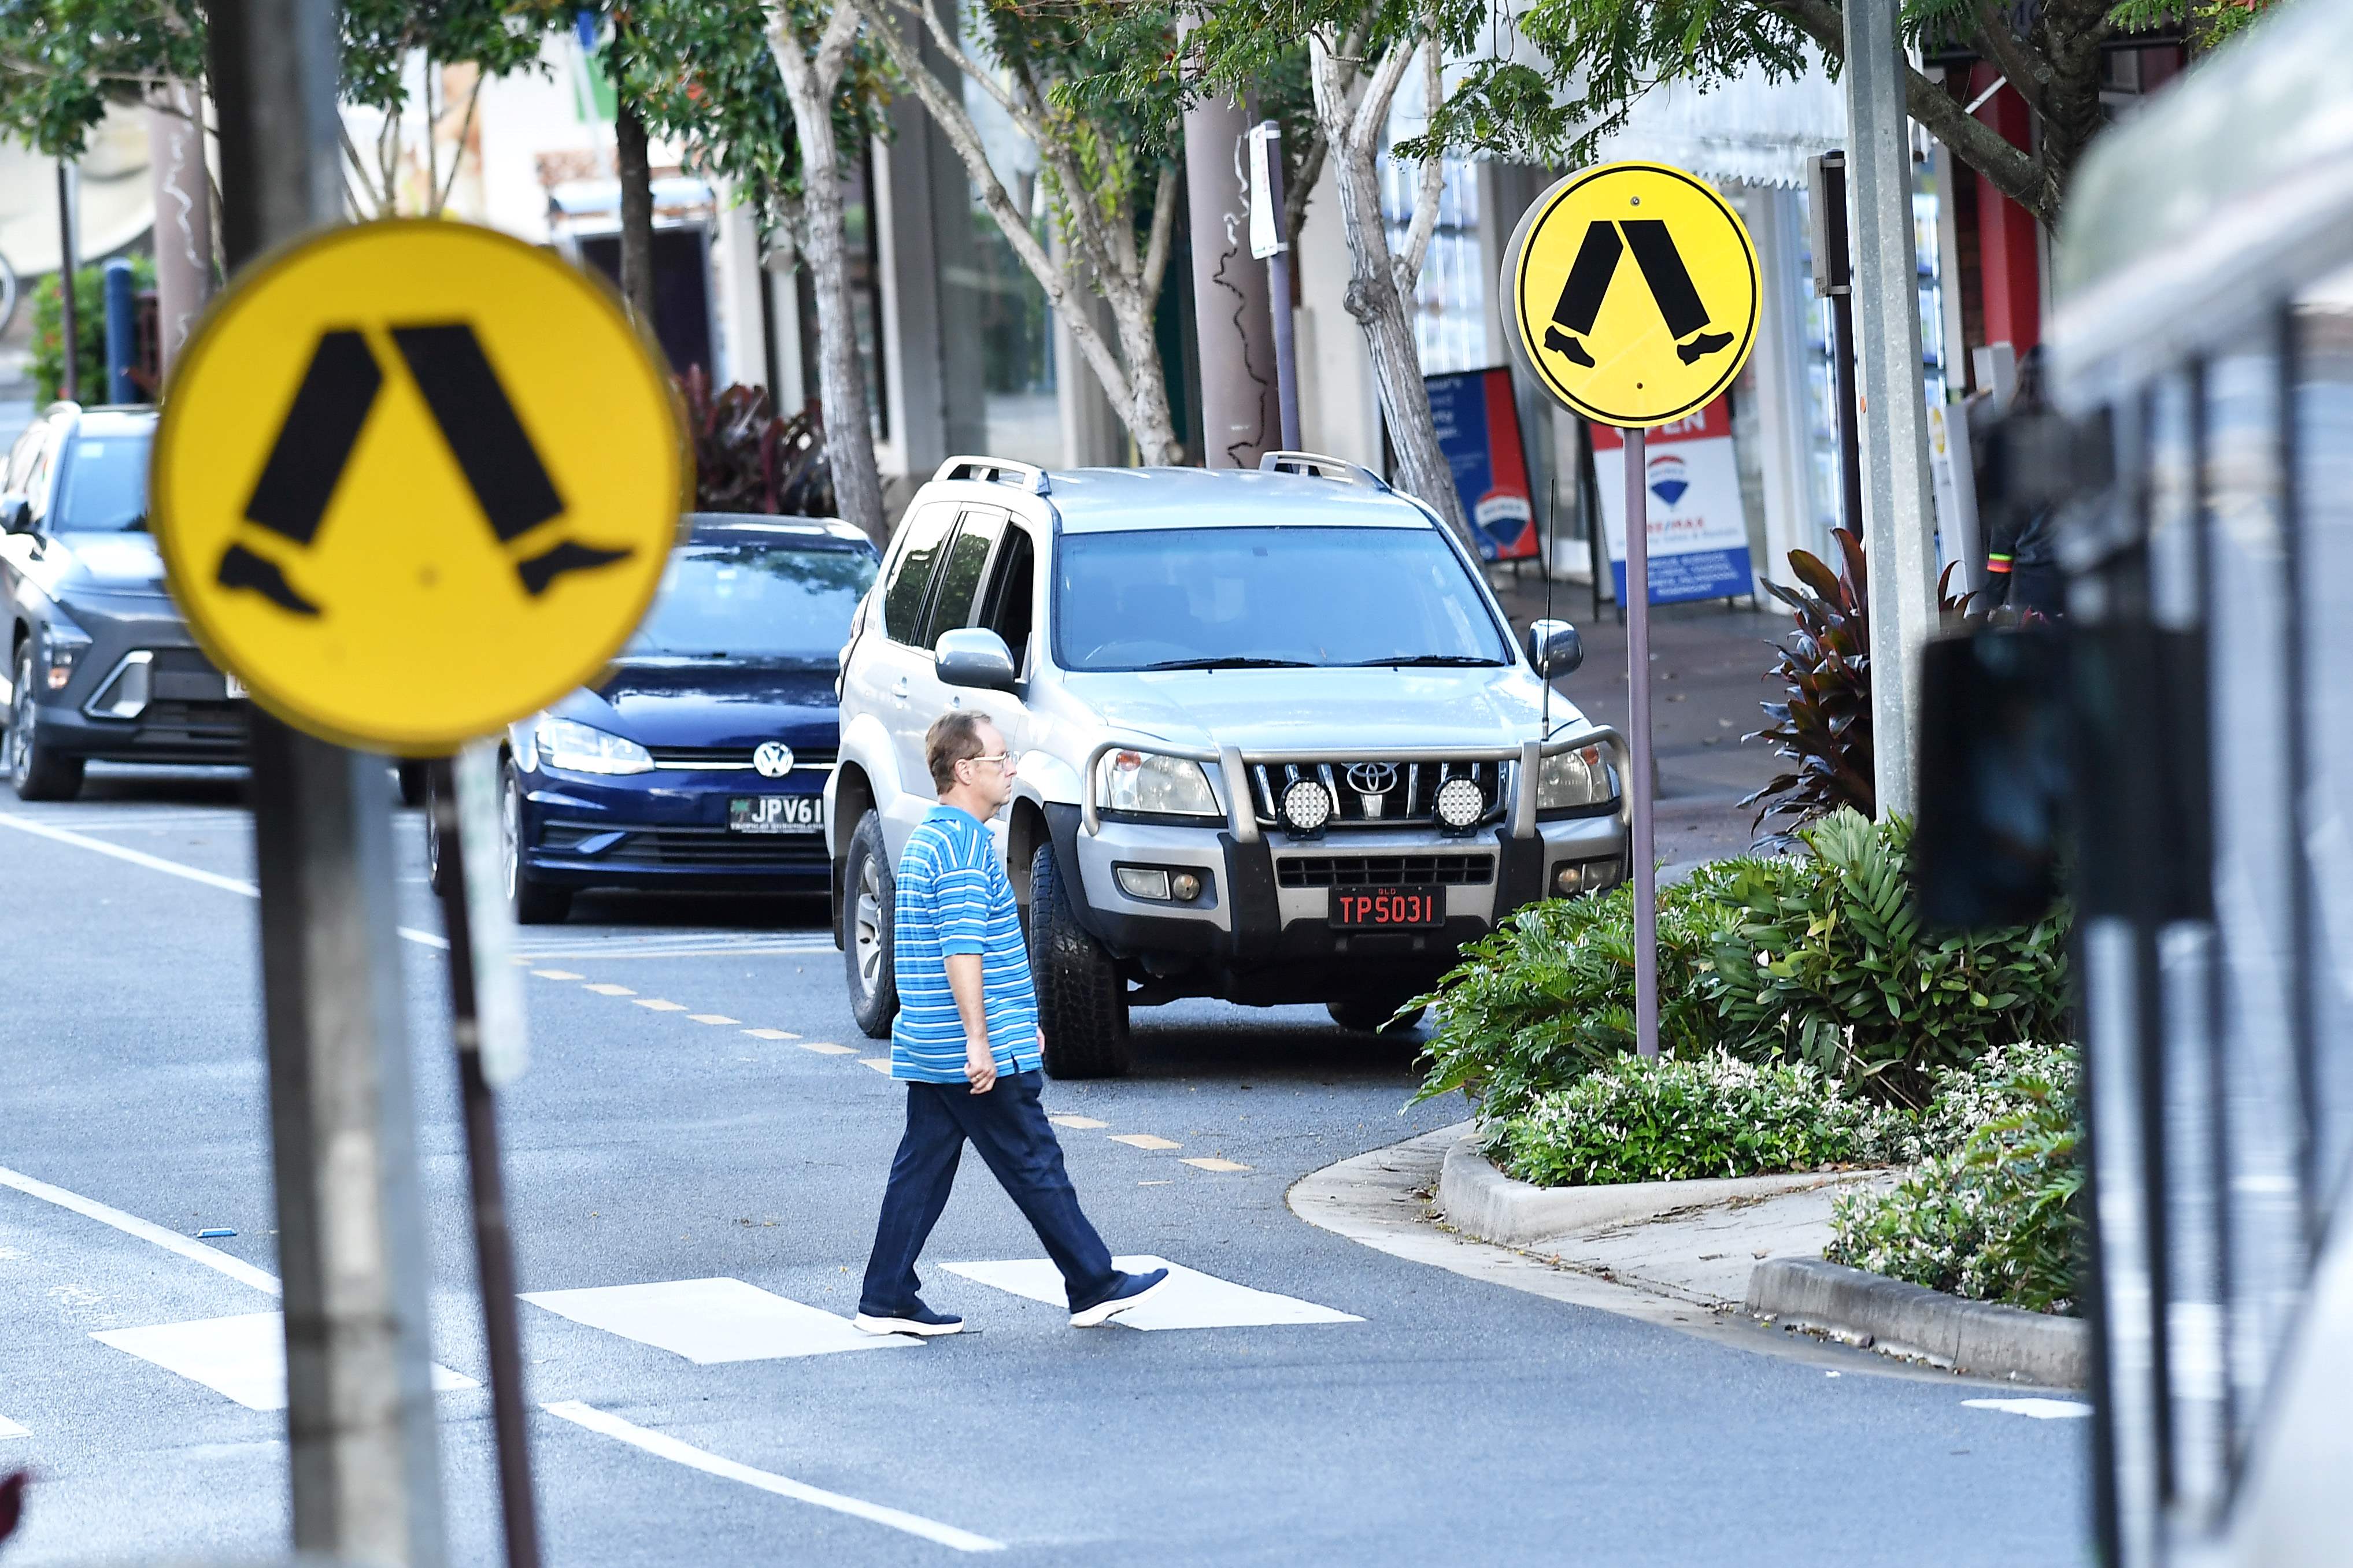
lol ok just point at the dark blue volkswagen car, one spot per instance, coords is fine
(698, 761)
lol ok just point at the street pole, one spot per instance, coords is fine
(1834, 280)
(493, 1240)
(184, 216)
(1238, 416)
(363, 1447)
(1898, 503)
(1268, 159)
(69, 250)
(1638, 738)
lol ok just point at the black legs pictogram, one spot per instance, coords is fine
(475, 417)
(1662, 270)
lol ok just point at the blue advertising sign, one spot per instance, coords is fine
(1479, 430)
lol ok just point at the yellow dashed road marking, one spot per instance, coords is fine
(659, 1006)
(710, 1018)
(1143, 1140)
(880, 1064)
(612, 991)
(1083, 1123)
(556, 974)
(828, 1049)
(1213, 1165)
(772, 1034)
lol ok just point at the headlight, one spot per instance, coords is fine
(576, 748)
(65, 645)
(1574, 779)
(1146, 785)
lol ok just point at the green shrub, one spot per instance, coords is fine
(1641, 1120)
(1832, 968)
(1995, 1215)
(1816, 959)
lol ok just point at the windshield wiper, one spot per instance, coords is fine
(1430, 661)
(1232, 662)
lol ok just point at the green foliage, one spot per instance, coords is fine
(1832, 968)
(1640, 1120)
(1995, 1214)
(501, 36)
(1549, 995)
(1816, 959)
(1824, 725)
(2209, 22)
(89, 330)
(747, 459)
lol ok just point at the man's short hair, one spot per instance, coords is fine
(954, 737)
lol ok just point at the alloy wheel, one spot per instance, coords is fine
(865, 926)
(20, 722)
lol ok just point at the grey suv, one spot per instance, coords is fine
(1276, 741)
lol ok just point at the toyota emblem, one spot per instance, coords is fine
(773, 759)
(1372, 778)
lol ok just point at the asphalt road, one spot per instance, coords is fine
(1451, 1421)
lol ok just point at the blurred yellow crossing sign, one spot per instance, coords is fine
(1632, 293)
(414, 480)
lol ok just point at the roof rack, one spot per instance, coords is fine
(995, 470)
(1315, 465)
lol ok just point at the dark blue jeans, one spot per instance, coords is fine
(1009, 1127)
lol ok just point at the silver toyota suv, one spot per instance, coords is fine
(1276, 742)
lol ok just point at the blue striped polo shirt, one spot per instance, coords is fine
(954, 898)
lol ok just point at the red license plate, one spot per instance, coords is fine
(1387, 908)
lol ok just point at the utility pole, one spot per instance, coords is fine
(68, 252)
(1270, 242)
(1834, 280)
(360, 1421)
(1898, 504)
(1240, 417)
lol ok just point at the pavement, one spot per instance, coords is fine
(695, 1159)
(1709, 666)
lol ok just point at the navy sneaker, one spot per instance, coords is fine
(1132, 1291)
(916, 1320)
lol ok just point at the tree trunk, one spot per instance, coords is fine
(1150, 420)
(1240, 417)
(810, 87)
(637, 177)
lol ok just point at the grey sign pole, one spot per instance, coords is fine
(1898, 505)
(1638, 742)
(360, 1420)
(1269, 240)
(68, 253)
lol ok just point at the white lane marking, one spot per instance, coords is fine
(660, 1005)
(712, 1018)
(1192, 1300)
(695, 1459)
(1145, 1140)
(712, 1321)
(550, 974)
(1213, 1165)
(828, 1049)
(772, 1034)
(1082, 1123)
(173, 868)
(880, 1064)
(2040, 1409)
(598, 956)
(237, 1269)
(243, 1356)
(11, 1430)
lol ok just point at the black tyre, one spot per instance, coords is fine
(1082, 1000)
(35, 772)
(868, 902)
(436, 870)
(412, 776)
(1373, 1017)
(534, 903)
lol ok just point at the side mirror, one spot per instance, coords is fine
(1555, 648)
(974, 656)
(16, 514)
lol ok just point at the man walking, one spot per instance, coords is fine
(966, 1042)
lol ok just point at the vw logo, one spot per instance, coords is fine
(773, 759)
(1372, 778)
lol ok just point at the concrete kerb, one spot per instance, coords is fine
(1482, 1201)
(1897, 1318)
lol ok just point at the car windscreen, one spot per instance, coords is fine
(755, 600)
(104, 486)
(1204, 597)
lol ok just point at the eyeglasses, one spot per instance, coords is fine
(997, 760)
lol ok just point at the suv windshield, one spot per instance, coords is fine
(104, 486)
(756, 600)
(1207, 598)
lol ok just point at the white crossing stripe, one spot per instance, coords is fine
(880, 1064)
(1207, 1164)
(2040, 1409)
(828, 1049)
(1145, 1140)
(710, 1464)
(11, 1430)
(1082, 1123)
(772, 1034)
(243, 1357)
(711, 1320)
(1191, 1300)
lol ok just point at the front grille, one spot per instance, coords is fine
(192, 728)
(708, 846)
(736, 758)
(1384, 870)
(1408, 798)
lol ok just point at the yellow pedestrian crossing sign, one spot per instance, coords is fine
(1632, 293)
(414, 480)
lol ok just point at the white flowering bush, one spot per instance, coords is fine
(1660, 1119)
(1993, 1212)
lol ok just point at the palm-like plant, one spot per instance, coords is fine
(748, 460)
